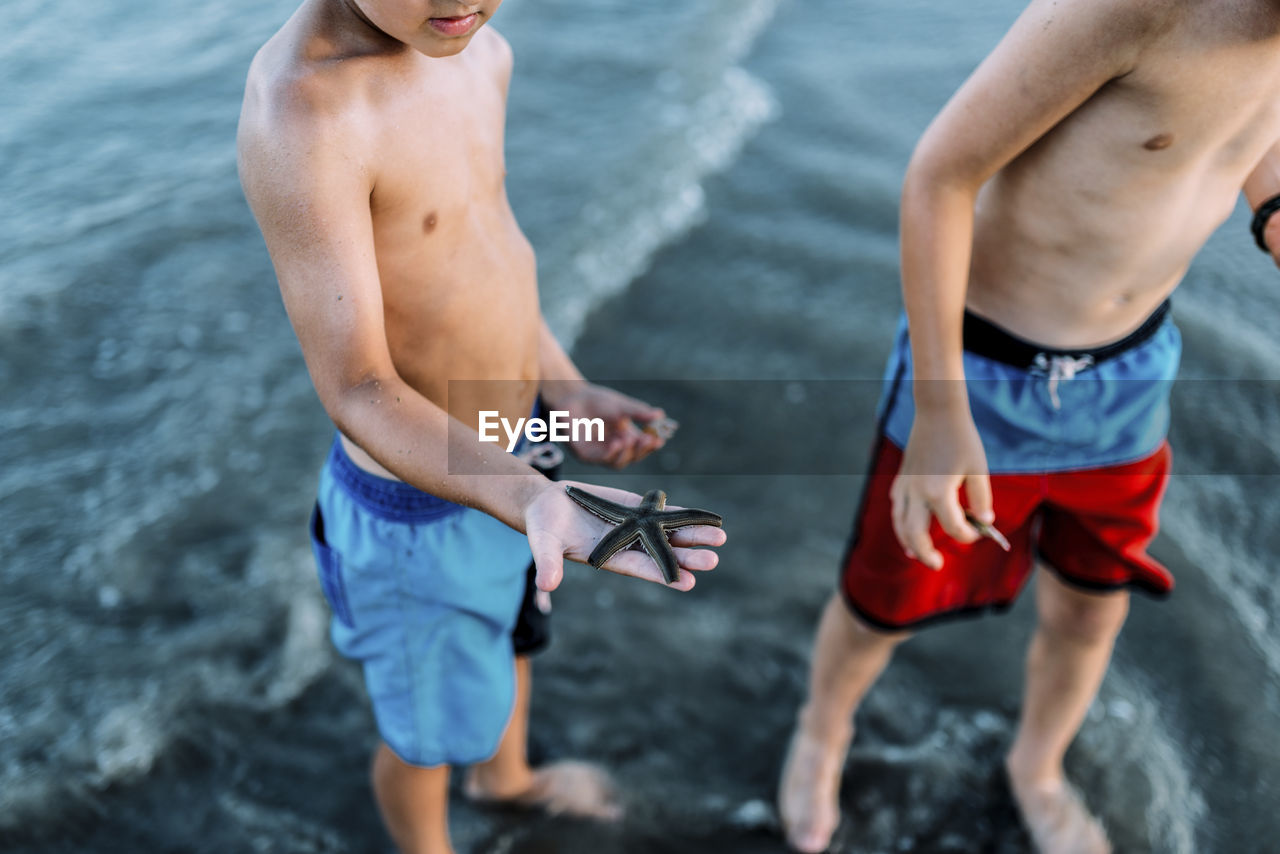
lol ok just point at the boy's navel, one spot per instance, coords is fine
(1158, 142)
(429, 223)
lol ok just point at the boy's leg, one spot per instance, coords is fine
(507, 775)
(561, 788)
(414, 803)
(1068, 657)
(847, 659)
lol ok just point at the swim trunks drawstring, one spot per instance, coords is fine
(543, 456)
(1060, 367)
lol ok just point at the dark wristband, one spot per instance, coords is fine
(1260, 217)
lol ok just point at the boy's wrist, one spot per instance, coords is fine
(559, 394)
(529, 492)
(941, 397)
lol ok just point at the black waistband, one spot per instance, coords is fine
(984, 338)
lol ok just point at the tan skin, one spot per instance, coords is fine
(1062, 193)
(371, 151)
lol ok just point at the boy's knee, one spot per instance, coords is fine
(388, 772)
(878, 635)
(1083, 617)
(382, 769)
(863, 632)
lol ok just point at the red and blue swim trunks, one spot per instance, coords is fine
(1076, 446)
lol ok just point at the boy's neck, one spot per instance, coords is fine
(346, 25)
(354, 10)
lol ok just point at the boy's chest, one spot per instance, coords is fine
(1214, 103)
(440, 159)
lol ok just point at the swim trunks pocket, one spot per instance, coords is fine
(330, 566)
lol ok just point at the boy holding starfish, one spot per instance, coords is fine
(371, 152)
(1058, 198)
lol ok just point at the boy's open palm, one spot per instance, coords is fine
(942, 455)
(558, 529)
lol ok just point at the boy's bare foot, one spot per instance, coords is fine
(809, 792)
(569, 788)
(1057, 819)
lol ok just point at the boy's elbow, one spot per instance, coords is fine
(348, 401)
(932, 172)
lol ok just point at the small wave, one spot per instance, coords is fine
(618, 233)
(119, 725)
(934, 766)
(1225, 523)
(1216, 522)
(1126, 731)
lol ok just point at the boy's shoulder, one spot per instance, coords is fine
(286, 89)
(1123, 13)
(292, 86)
(501, 56)
(1140, 20)
(494, 53)
(1102, 24)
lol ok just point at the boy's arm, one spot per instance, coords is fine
(1262, 185)
(310, 194)
(564, 388)
(1056, 56)
(311, 198)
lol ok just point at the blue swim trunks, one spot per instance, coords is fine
(434, 600)
(1039, 409)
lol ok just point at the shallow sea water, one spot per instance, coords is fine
(712, 191)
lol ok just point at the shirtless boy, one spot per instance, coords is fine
(1058, 198)
(371, 152)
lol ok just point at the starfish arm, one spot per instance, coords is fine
(689, 516)
(602, 507)
(613, 542)
(656, 546)
(653, 500)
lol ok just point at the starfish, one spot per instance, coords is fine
(647, 524)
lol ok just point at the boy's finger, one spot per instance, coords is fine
(637, 564)
(645, 445)
(639, 410)
(916, 529)
(684, 583)
(698, 535)
(612, 452)
(898, 517)
(626, 456)
(698, 560)
(548, 561)
(952, 520)
(977, 488)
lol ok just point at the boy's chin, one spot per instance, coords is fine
(441, 48)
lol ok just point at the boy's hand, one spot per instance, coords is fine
(559, 529)
(624, 442)
(942, 453)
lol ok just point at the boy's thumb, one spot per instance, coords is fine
(548, 562)
(643, 413)
(977, 488)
